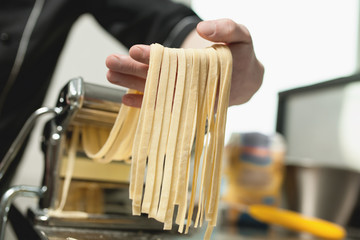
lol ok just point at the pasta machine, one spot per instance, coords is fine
(98, 190)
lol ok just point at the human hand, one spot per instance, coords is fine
(248, 72)
(130, 71)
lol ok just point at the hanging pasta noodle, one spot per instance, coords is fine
(103, 145)
(70, 167)
(166, 214)
(143, 132)
(58, 212)
(165, 135)
(156, 132)
(178, 104)
(165, 130)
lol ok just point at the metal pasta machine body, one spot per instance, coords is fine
(99, 190)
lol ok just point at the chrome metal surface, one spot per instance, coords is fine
(220, 233)
(97, 105)
(19, 140)
(323, 192)
(96, 221)
(70, 100)
(8, 197)
(102, 98)
(78, 103)
(83, 103)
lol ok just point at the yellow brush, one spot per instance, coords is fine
(296, 221)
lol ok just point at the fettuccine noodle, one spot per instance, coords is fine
(200, 75)
(185, 104)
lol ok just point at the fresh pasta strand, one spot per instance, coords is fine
(99, 151)
(70, 167)
(178, 111)
(148, 106)
(172, 157)
(210, 96)
(225, 60)
(156, 132)
(173, 136)
(59, 211)
(193, 106)
(200, 133)
(187, 140)
(104, 146)
(168, 122)
(95, 140)
(122, 145)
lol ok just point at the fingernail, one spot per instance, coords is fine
(136, 51)
(116, 58)
(207, 28)
(140, 51)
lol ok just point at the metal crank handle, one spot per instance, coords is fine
(8, 197)
(19, 140)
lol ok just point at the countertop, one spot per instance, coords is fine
(225, 230)
(220, 233)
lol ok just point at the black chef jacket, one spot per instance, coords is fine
(33, 33)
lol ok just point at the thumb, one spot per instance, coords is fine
(223, 30)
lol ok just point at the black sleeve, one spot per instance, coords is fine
(145, 21)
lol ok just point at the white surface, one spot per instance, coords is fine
(349, 127)
(312, 129)
(299, 42)
(324, 127)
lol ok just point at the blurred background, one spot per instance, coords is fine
(300, 43)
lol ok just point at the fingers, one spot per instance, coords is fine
(140, 53)
(126, 65)
(132, 100)
(129, 71)
(224, 30)
(126, 80)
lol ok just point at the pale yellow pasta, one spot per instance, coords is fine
(176, 132)
(59, 211)
(187, 140)
(156, 132)
(122, 144)
(148, 107)
(178, 108)
(164, 132)
(127, 135)
(103, 144)
(93, 133)
(177, 154)
(173, 136)
(201, 122)
(198, 74)
(95, 141)
(225, 59)
(210, 96)
(70, 167)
